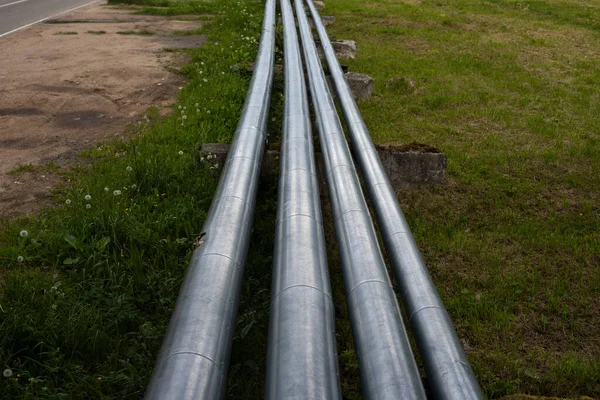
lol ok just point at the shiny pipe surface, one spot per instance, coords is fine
(387, 366)
(194, 357)
(448, 371)
(301, 362)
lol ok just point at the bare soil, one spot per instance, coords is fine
(61, 93)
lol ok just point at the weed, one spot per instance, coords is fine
(88, 292)
(143, 32)
(97, 32)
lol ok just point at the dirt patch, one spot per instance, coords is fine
(61, 94)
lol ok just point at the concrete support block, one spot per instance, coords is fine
(327, 20)
(319, 5)
(413, 165)
(361, 85)
(344, 49)
(408, 166)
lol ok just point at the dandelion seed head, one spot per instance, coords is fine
(179, 107)
(134, 186)
(24, 233)
(117, 192)
(184, 117)
(20, 259)
(7, 373)
(88, 206)
(68, 201)
(88, 197)
(106, 189)
(129, 169)
(180, 152)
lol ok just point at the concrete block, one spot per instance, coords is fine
(327, 20)
(408, 166)
(361, 85)
(319, 5)
(344, 49)
(413, 165)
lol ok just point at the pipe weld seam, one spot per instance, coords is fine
(412, 314)
(253, 159)
(366, 281)
(349, 211)
(214, 253)
(379, 184)
(217, 199)
(368, 147)
(287, 171)
(304, 286)
(250, 125)
(407, 233)
(339, 166)
(299, 215)
(393, 234)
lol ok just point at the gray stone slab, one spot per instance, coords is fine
(344, 49)
(361, 85)
(408, 166)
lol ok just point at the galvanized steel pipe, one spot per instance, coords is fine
(194, 357)
(448, 371)
(301, 362)
(386, 362)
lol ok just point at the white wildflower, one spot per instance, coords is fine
(24, 233)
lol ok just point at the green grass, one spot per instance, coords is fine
(97, 32)
(86, 295)
(509, 91)
(66, 33)
(23, 168)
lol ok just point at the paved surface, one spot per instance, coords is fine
(17, 14)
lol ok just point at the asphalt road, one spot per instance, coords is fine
(18, 14)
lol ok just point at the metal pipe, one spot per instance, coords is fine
(302, 358)
(448, 371)
(194, 357)
(386, 361)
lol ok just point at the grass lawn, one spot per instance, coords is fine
(508, 90)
